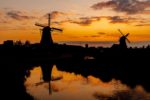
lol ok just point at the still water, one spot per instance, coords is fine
(63, 85)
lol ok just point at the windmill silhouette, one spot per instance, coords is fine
(46, 38)
(123, 39)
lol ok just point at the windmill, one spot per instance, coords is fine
(46, 38)
(123, 39)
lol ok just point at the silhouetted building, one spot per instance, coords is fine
(19, 43)
(8, 43)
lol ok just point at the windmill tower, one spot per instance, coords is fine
(46, 39)
(122, 40)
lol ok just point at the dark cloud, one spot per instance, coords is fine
(56, 14)
(18, 15)
(91, 36)
(82, 22)
(102, 5)
(142, 25)
(118, 19)
(127, 6)
(85, 21)
(94, 36)
(101, 33)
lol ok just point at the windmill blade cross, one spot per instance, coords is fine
(127, 40)
(40, 32)
(127, 36)
(37, 24)
(57, 29)
(120, 32)
(49, 19)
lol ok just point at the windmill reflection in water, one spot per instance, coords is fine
(47, 76)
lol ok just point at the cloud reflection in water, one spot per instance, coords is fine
(77, 87)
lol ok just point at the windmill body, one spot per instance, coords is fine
(122, 42)
(46, 38)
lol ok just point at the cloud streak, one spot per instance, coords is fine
(126, 6)
(56, 14)
(118, 19)
(142, 25)
(18, 15)
(86, 21)
(82, 21)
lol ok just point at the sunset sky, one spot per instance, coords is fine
(81, 20)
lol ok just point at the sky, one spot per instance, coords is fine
(81, 20)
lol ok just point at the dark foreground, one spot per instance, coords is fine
(130, 71)
(130, 66)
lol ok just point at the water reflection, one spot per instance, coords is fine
(47, 79)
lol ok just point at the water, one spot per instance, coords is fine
(106, 44)
(71, 86)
